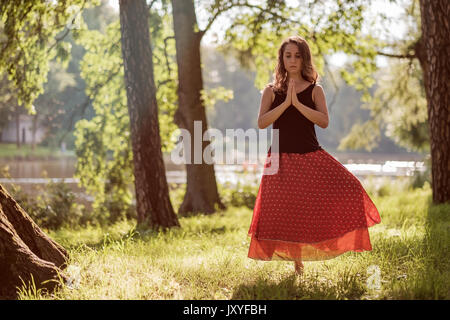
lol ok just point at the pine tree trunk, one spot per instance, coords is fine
(433, 51)
(152, 193)
(25, 250)
(201, 191)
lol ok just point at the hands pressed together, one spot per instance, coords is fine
(291, 96)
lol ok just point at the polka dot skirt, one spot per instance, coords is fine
(309, 207)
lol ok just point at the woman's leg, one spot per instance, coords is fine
(298, 265)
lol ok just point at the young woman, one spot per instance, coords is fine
(312, 208)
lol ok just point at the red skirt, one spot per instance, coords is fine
(309, 207)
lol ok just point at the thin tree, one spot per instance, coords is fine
(201, 188)
(433, 52)
(152, 193)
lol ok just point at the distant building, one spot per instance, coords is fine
(9, 133)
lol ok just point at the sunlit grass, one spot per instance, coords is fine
(10, 150)
(207, 259)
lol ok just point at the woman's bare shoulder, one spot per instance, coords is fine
(270, 89)
(317, 88)
(317, 91)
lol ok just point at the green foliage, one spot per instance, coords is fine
(213, 95)
(104, 165)
(399, 107)
(30, 29)
(54, 207)
(366, 135)
(420, 178)
(7, 102)
(241, 195)
(335, 27)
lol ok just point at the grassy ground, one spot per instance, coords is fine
(207, 259)
(10, 150)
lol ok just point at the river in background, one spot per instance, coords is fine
(32, 174)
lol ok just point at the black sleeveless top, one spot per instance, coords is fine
(296, 132)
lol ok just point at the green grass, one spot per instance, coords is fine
(10, 150)
(207, 259)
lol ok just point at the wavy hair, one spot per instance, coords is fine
(308, 70)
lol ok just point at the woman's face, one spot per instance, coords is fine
(291, 58)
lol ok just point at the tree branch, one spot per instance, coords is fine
(166, 55)
(246, 5)
(399, 56)
(66, 32)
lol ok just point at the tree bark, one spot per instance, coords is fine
(26, 251)
(18, 144)
(433, 52)
(154, 208)
(201, 190)
(34, 129)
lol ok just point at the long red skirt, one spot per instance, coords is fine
(312, 208)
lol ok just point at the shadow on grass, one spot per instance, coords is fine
(310, 286)
(423, 263)
(435, 283)
(148, 234)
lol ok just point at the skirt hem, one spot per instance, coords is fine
(276, 249)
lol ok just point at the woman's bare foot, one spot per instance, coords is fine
(298, 267)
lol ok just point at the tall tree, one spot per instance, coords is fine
(201, 189)
(433, 52)
(152, 194)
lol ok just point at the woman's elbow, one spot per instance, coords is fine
(325, 123)
(261, 125)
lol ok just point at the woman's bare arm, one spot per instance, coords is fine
(266, 117)
(319, 116)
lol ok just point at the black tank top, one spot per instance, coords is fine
(296, 132)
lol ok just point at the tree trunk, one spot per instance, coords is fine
(25, 250)
(201, 192)
(433, 51)
(34, 129)
(18, 128)
(152, 193)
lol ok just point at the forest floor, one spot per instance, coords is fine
(207, 259)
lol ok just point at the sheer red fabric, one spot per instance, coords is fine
(312, 208)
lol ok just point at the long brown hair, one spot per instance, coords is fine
(308, 70)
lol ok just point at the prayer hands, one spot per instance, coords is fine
(291, 96)
(291, 89)
(294, 98)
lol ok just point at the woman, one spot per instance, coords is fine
(312, 207)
